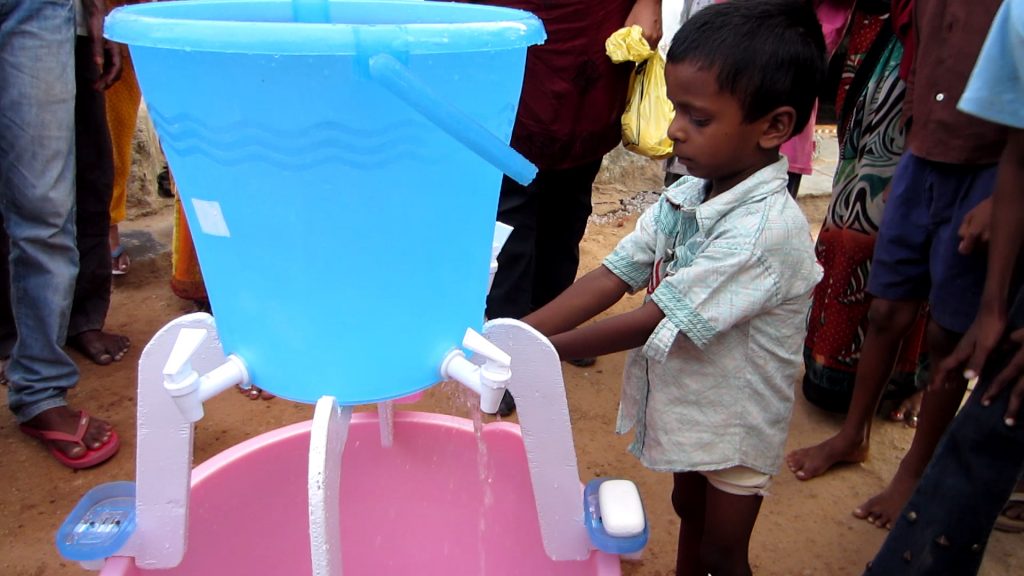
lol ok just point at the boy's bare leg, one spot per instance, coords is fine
(726, 540)
(937, 410)
(889, 321)
(689, 499)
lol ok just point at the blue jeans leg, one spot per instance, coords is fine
(946, 525)
(37, 195)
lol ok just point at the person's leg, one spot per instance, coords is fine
(937, 409)
(731, 517)
(123, 99)
(8, 334)
(186, 276)
(888, 323)
(563, 207)
(909, 394)
(93, 186)
(512, 287)
(957, 283)
(899, 281)
(689, 498)
(946, 524)
(37, 94)
(510, 292)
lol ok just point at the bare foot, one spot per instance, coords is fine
(64, 419)
(908, 410)
(100, 347)
(807, 463)
(883, 508)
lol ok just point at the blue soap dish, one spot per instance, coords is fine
(100, 523)
(622, 527)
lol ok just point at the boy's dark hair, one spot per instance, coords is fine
(766, 53)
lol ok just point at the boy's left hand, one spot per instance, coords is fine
(976, 227)
(647, 15)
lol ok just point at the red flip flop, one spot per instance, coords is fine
(90, 458)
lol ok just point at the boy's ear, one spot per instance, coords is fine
(778, 127)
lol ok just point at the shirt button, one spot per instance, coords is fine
(940, 97)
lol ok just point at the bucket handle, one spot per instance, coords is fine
(390, 73)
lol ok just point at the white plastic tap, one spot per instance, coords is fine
(186, 387)
(488, 380)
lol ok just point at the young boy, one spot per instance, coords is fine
(728, 264)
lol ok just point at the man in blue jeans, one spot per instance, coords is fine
(945, 526)
(37, 191)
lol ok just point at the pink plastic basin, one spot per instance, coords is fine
(418, 507)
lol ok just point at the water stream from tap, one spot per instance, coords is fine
(464, 402)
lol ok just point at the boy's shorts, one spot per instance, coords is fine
(739, 480)
(916, 255)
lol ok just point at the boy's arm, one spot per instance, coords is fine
(1007, 227)
(600, 288)
(586, 298)
(620, 332)
(1007, 237)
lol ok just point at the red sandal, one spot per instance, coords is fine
(90, 458)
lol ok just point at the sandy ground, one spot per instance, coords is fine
(804, 528)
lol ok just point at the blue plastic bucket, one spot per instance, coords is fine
(340, 178)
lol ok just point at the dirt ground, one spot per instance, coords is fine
(804, 528)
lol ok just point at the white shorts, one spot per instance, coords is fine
(739, 480)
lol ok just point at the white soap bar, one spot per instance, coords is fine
(622, 513)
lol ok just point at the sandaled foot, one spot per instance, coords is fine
(255, 393)
(807, 463)
(119, 261)
(909, 410)
(100, 347)
(74, 438)
(884, 508)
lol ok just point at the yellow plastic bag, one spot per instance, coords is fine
(648, 112)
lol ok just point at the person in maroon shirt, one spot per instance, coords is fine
(569, 118)
(936, 213)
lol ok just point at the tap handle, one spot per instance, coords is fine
(178, 364)
(477, 344)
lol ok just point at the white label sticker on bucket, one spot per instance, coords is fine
(211, 218)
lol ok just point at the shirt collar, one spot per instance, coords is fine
(689, 192)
